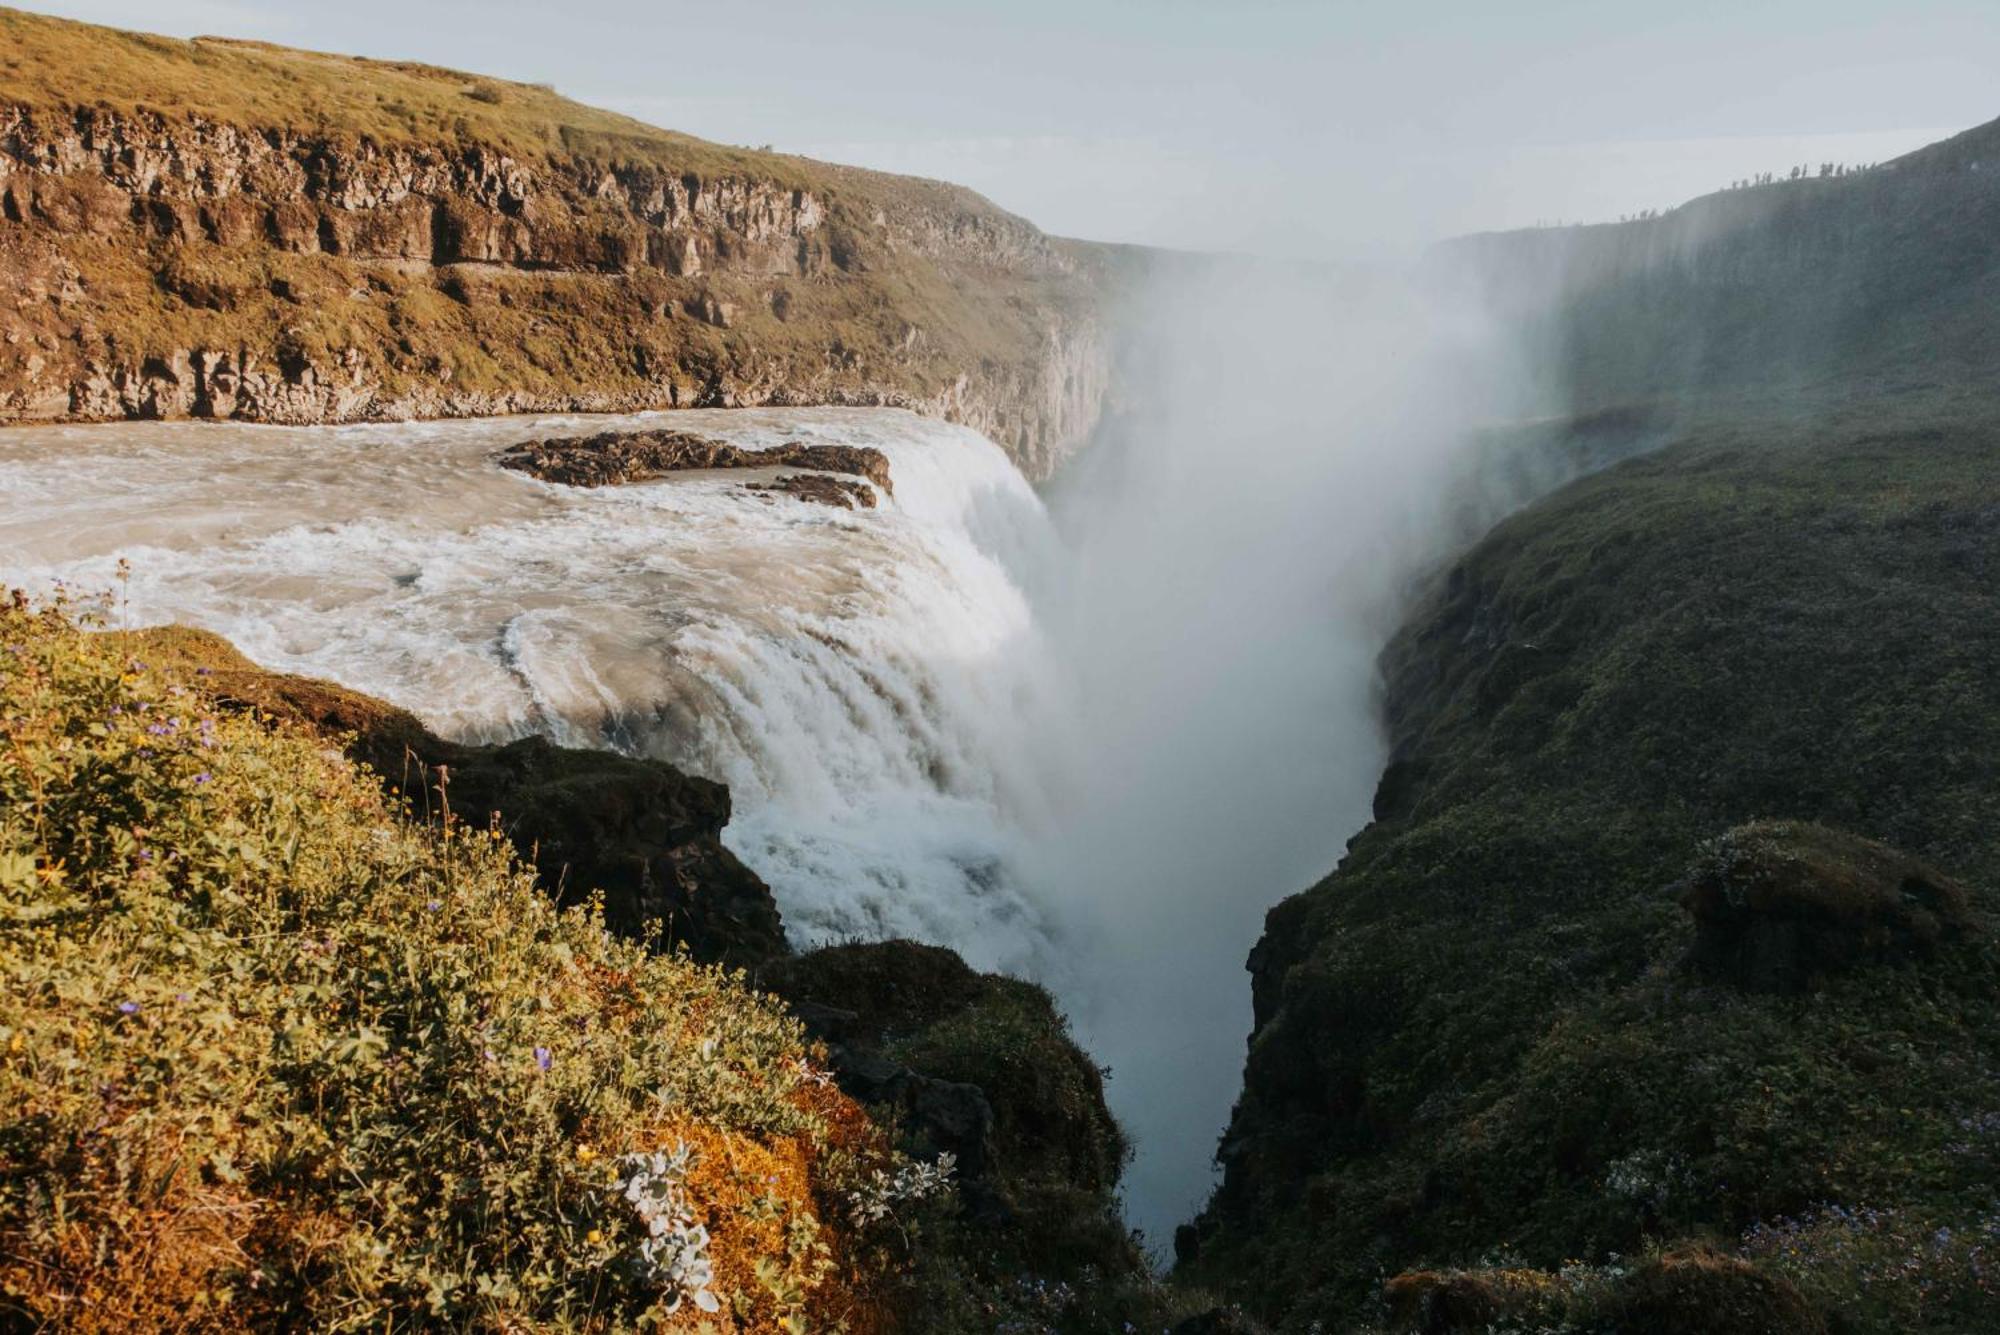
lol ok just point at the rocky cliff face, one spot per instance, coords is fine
(298, 264)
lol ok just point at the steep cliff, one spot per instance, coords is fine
(1658, 931)
(234, 230)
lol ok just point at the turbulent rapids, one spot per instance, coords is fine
(856, 678)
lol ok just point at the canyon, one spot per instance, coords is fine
(1566, 675)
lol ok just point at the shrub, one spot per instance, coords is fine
(272, 1055)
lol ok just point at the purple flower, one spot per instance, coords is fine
(128, 1008)
(542, 1058)
(203, 777)
(432, 906)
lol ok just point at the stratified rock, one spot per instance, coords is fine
(612, 457)
(819, 489)
(174, 206)
(1779, 905)
(642, 833)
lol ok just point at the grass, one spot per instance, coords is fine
(56, 64)
(273, 1055)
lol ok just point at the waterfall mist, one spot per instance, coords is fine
(1086, 736)
(1289, 457)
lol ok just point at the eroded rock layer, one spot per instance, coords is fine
(232, 230)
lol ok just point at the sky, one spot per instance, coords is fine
(1287, 127)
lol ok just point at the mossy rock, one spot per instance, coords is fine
(982, 1066)
(1698, 1290)
(1778, 905)
(1444, 1302)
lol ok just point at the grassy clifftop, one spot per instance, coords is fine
(55, 65)
(230, 229)
(280, 1050)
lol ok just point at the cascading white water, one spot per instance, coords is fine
(1091, 748)
(859, 679)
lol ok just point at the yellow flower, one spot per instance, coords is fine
(594, 1237)
(16, 1043)
(584, 1154)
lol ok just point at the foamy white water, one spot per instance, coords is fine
(857, 678)
(1091, 748)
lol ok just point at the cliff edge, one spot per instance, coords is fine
(233, 230)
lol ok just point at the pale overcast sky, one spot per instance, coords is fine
(1282, 126)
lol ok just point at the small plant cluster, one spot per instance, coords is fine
(1887, 1269)
(876, 1197)
(674, 1255)
(274, 1055)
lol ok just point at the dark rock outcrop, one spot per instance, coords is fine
(982, 1066)
(613, 457)
(816, 488)
(641, 833)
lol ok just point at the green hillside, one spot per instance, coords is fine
(1663, 992)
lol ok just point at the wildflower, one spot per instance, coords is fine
(595, 1237)
(203, 777)
(543, 1059)
(585, 1154)
(128, 1008)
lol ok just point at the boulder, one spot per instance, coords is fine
(1697, 1290)
(1778, 906)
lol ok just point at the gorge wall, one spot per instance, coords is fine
(1650, 999)
(231, 230)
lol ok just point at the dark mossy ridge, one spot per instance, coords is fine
(225, 229)
(1663, 992)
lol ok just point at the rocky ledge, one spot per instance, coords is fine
(236, 231)
(614, 457)
(645, 836)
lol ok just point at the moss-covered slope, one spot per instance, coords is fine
(1675, 925)
(1491, 1032)
(272, 1057)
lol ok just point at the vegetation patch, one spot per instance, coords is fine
(273, 1055)
(1676, 919)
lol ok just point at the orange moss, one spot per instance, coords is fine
(1438, 1301)
(115, 1266)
